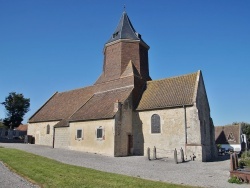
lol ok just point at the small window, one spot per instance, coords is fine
(100, 133)
(155, 124)
(79, 134)
(115, 34)
(48, 129)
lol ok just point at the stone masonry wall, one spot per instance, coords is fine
(39, 131)
(180, 128)
(89, 141)
(206, 125)
(62, 137)
(123, 129)
(172, 131)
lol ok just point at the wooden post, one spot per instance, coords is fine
(148, 152)
(182, 155)
(175, 156)
(154, 153)
(232, 164)
(236, 161)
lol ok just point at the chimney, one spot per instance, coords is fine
(117, 105)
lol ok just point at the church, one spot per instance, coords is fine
(125, 111)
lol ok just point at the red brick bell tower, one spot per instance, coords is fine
(123, 48)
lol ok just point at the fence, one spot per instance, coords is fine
(11, 134)
(178, 155)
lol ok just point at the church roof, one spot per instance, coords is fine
(124, 30)
(101, 105)
(170, 92)
(62, 106)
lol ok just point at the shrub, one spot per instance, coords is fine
(245, 154)
(234, 179)
(245, 159)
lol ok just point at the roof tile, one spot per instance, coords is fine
(170, 92)
(101, 105)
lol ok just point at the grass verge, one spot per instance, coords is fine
(50, 173)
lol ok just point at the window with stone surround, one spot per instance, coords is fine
(100, 133)
(79, 134)
(48, 129)
(155, 124)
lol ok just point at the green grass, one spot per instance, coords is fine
(50, 173)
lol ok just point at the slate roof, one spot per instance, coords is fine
(229, 134)
(124, 30)
(170, 92)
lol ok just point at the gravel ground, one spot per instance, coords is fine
(9, 179)
(194, 173)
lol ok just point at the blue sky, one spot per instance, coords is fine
(56, 45)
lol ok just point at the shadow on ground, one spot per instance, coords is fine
(5, 140)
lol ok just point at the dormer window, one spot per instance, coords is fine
(138, 35)
(231, 137)
(115, 34)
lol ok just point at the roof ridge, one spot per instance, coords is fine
(81, 106)
(120, 88)
(172, 77)
(132, 27)
(76, 89)
(109, 81)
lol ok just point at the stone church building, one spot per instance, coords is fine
(125, 111)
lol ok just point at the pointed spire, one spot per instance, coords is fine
(124, 30)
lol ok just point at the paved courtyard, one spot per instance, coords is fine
(195, 173)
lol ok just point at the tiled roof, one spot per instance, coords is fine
(229, 134)
(22, 127)
(101, 105)
(62, 123)
(170, 92)
(63, 105)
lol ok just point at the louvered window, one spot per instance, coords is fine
(155, 124)
(99, 133)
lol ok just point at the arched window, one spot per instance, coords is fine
(155, 123)
(48, 129)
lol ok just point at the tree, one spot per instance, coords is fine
(1, 123)
(16, 107)
(245, 127)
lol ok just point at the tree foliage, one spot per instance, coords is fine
(1, 123)
(16, 107)
(245, 127)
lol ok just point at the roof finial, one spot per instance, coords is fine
(124, 8)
